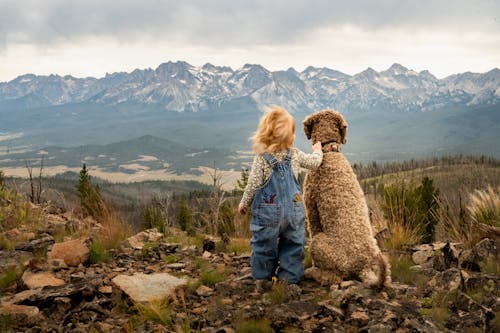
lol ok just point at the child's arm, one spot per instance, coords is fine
(254, 182)
(310, 161)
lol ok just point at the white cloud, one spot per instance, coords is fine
(96, 36)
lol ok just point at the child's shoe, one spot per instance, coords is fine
(263, 285)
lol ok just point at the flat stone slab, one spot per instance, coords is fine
(144, 288)
(39, 280)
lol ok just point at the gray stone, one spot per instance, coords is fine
(144, 288)
(138, 240)
(450, 280)
(475, 258)
(422, 256)
(36, 245)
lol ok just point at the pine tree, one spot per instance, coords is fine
(184, 216)
(427, 206)
(90, 197)
(242, 183)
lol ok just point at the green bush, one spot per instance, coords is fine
(412, 208)
(154, 217)
(98, 253)
(184, 216)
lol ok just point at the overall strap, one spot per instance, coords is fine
(274, 162)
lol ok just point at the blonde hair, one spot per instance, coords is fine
(276, 131)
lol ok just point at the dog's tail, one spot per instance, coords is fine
(384, 272)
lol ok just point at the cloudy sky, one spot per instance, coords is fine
(92, 37)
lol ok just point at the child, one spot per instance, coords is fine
(277, 224)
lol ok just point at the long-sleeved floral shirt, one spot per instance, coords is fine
(261, 170)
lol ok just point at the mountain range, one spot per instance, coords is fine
(393, 114)
(179, 86)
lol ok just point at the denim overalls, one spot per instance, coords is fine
(277, 225)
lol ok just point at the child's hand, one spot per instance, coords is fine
(241, 209)
(316, 146)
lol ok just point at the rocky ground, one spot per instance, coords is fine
(154, 284)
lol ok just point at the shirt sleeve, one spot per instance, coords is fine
(254, 180)
(309, 161)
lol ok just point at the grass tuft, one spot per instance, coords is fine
(10, 275)
(254, 326)
(98, 253)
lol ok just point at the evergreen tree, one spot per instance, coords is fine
(242, 183)
(427, 207)
(90, 197)
(184, 216)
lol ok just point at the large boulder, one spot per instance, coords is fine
(144, 288)
(73, 252)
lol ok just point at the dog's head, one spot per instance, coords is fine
(326, 126)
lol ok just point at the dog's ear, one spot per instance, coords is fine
(308, 126)
(342, 129)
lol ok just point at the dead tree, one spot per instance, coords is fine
(216, 198)
(36, 189)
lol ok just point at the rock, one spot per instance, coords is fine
(476, 257)
(83, 290)
(438, 246)
(208, 245)
(206, 255)
(57, 264)
(449, 280)
(144, 288)
(39, 280)
(176, 265)
(106, 290)
(138, 240)
(380, 328)
(19, 314)
(14, 259)
(358, 318)
(422, 256)
(423, 247)
(204, 291)
(40, 244)
(73, 252)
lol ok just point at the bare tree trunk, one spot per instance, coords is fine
(216, 199)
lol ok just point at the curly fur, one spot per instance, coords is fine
(342, 244)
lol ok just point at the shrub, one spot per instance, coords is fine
(472, 223)
(158, 311)
(154, 217)
(184, 216)
(10, 275)
(400, 269)
(211, 277)
(98, 253)
(410, 210)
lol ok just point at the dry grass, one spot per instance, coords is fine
(484, 206)
(239, 245)
(471, 222)
(401, 236)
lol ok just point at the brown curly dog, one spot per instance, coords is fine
(342, 240)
